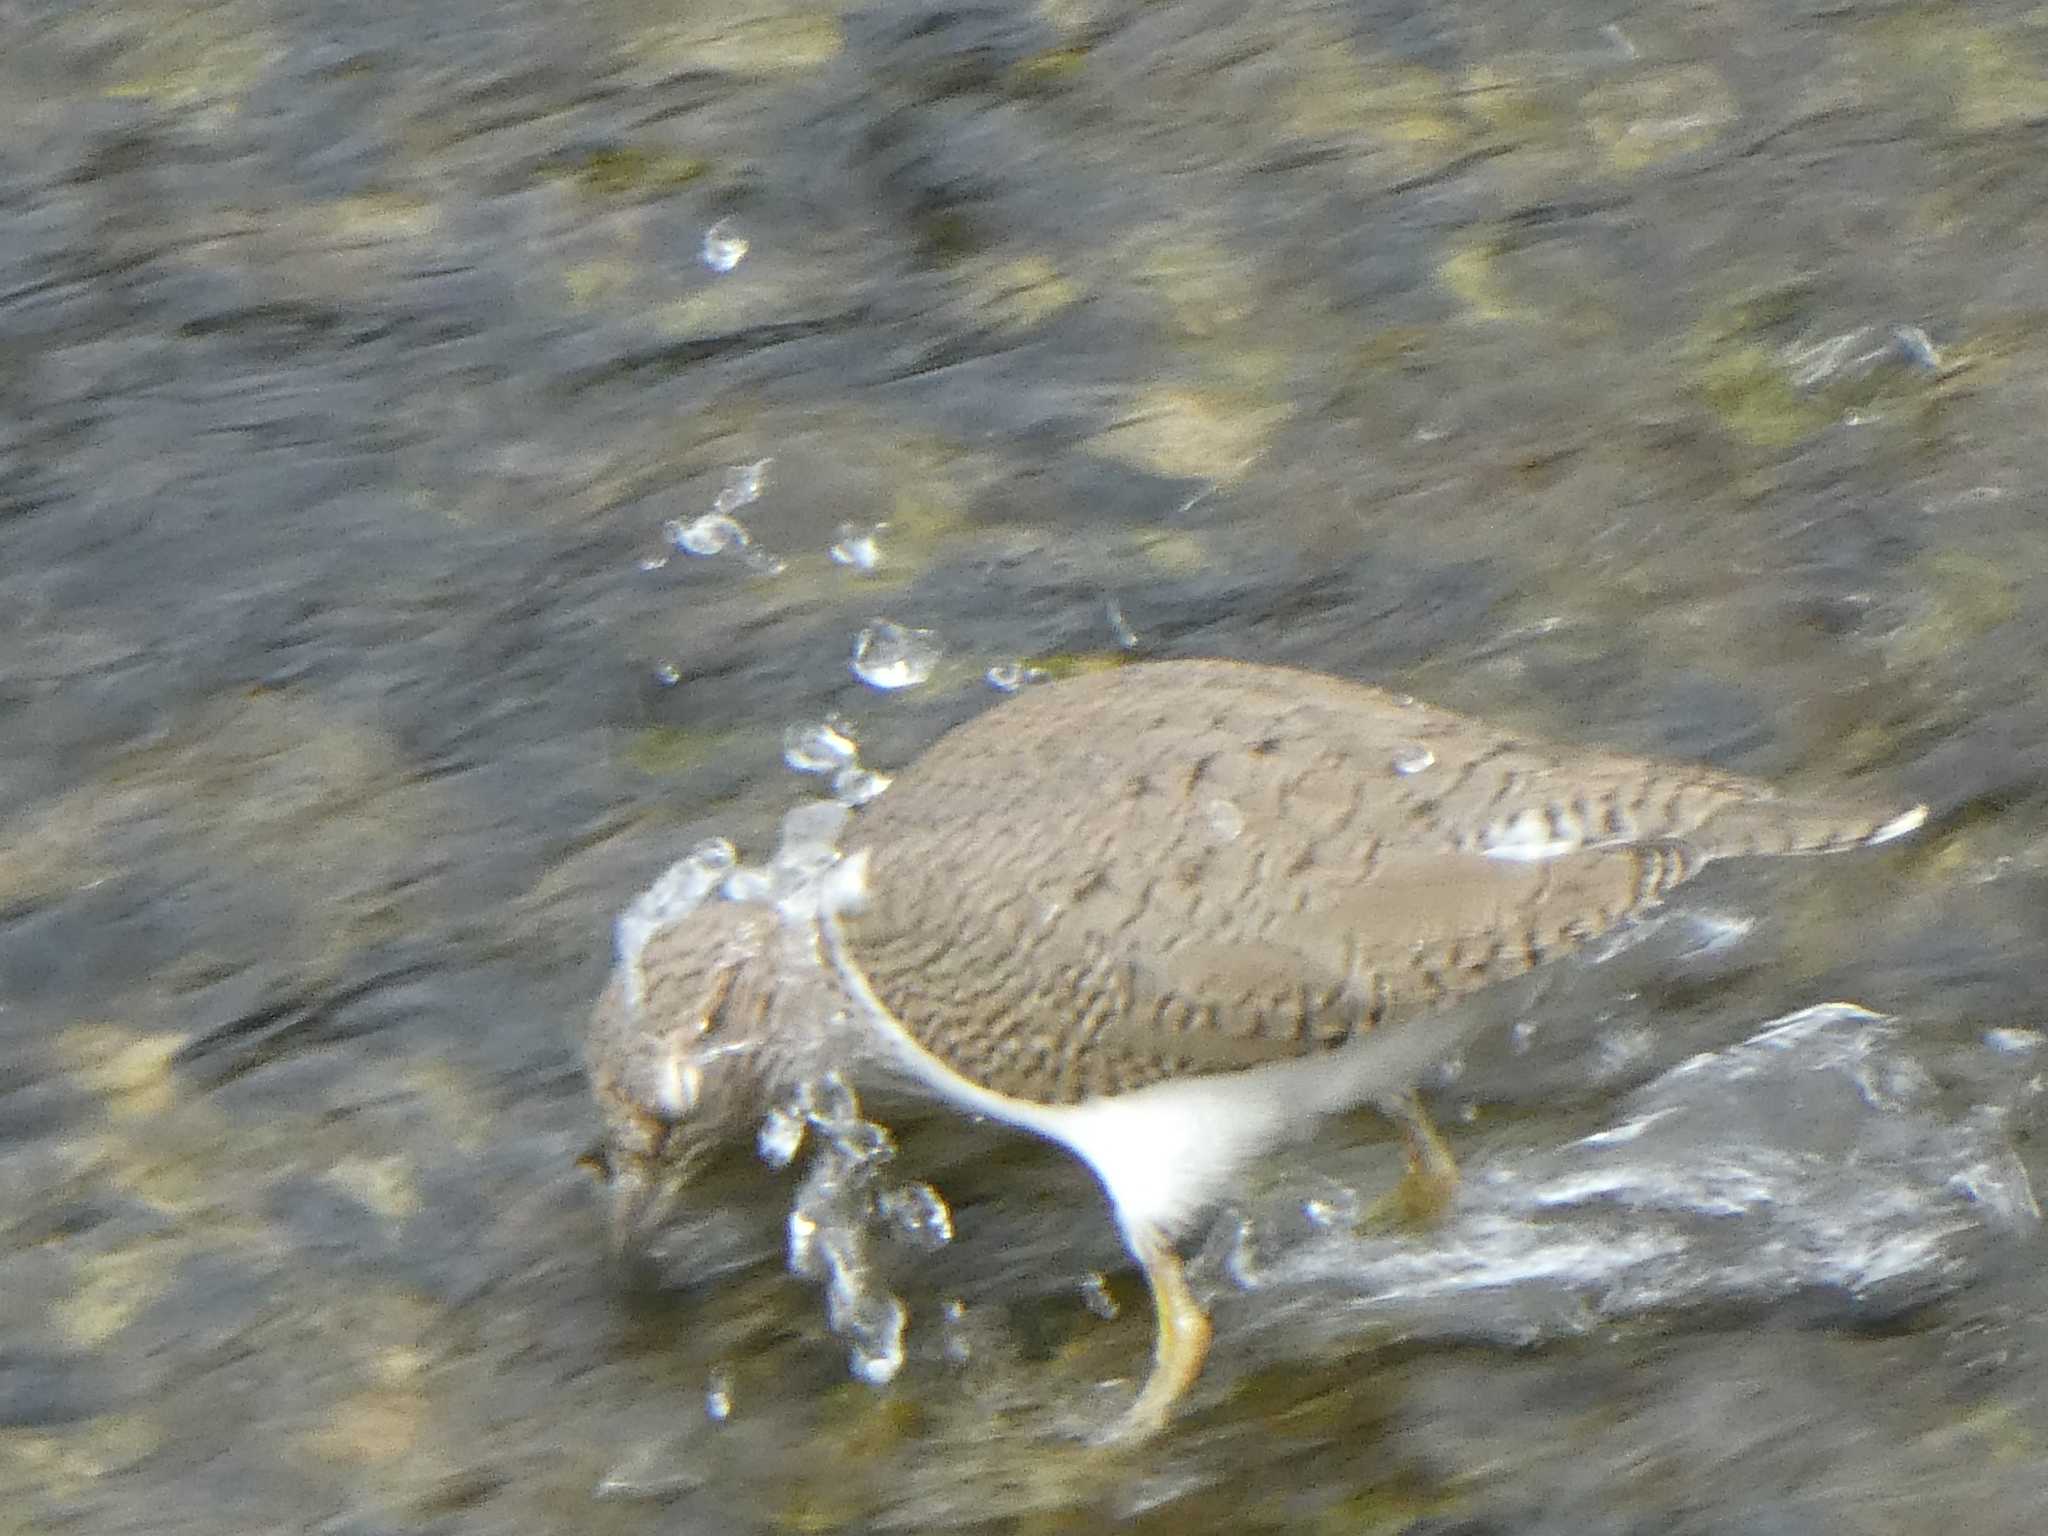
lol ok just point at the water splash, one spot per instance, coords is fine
(845, 1194)
(1809, 1160)
(681, 888)
(842, 1198)
(826, 748)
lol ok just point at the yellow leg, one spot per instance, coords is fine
(1182, 1343)
(1426, 1189)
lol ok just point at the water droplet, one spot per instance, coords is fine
(805, 1257)
(711, 534)
(810, 828)
(858, 547)
(743, 484)
(918, 1214)
(862, 1141)
(819, 748)
(830, 1103)
(715, 853)
(873, 1330)
(1009, 676)
(796, 867)
(718, 1396)
(889, 656)
(781, 1138)
(1095, 1296)
(668, 674)
(1530, 836)
(1916, 347)
(857, 786)
(1336, 1210)
(1412, 759)
(1126, 636)
(748, 885)
(1226, 821)
(724, 246)
(958, 1347)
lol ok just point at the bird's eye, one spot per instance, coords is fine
(677, 1086)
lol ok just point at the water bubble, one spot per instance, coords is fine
(858, 547)
(781, 1138)
(1411, 760)
(819, 748)
(711, 534)
(857, 786)
(668, 674)
(889, 656)
(1095, 1296)
(1010, 676)
(918, 1214)
(724, 246)
(718, 1396)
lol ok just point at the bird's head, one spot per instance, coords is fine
(694, 1035)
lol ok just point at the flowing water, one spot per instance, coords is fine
(456, 459)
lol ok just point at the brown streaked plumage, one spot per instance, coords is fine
(1168, 916)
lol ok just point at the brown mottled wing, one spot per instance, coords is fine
(1198, 866)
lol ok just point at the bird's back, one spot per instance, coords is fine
(1187, 867)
